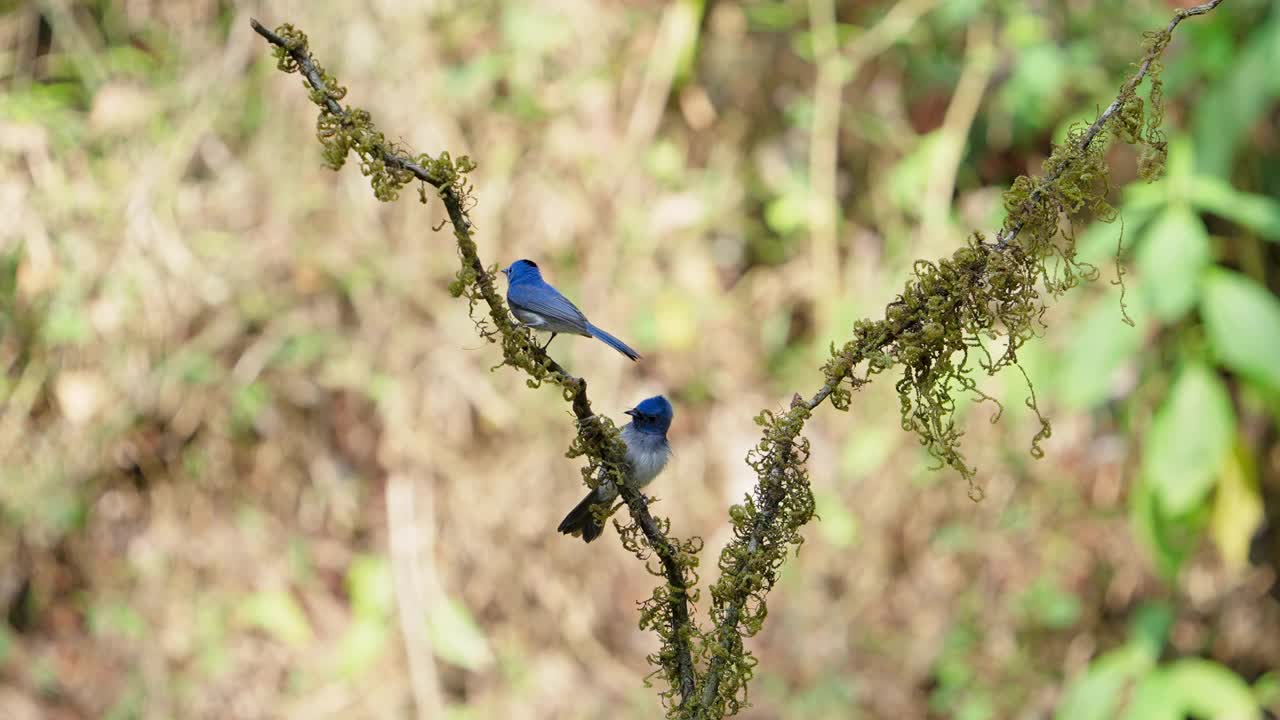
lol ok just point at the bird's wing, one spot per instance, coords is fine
(547, 302)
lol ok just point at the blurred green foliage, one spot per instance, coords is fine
(1130, 683)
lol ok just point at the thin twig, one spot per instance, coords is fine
(836, 67)
(636, 502)
(979, 61)
(1003, 239)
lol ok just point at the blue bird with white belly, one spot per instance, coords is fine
(541, 307)
(647, 455)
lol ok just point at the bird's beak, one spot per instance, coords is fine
(632, 413)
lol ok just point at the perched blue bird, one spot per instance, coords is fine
(647, 455)
(539, 306)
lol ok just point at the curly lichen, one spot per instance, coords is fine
(765, 526)
(938, 330)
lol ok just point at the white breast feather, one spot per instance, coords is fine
(646, 454)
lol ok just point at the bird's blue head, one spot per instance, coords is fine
(522, 270)
(652, 416)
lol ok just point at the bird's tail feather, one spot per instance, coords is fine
(612, 342)
(581, 520)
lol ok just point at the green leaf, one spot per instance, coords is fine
(1048, 606)
(1242, 320)
(1237, 507)
(1189, 439)
(247, 402)
(1096, 694)
(909, 177)
(1267, 690)
(1150, 626)
(278, 613)
(789, 211)
(1033, 92)
(1171, 260)
(1233, 104)
(1167, 539)
(456, 638)
(363, 643)
(1102, 344)
(370, 587)
(1256, 212)
(1153, 699)
(1206, 689)
(6, 645)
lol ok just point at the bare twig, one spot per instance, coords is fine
(961, 111)
(837, 66)
(418, 593)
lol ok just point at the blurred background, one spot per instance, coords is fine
(254, 464)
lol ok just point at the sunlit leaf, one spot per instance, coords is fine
(363, 643)
(456, 638)
(1267, 690)
(1189, 439)
(1237, 507)
(1153, 699)
(370, 586)
(1171, 259)
(278, 613)
(1242, 320)
(788, 212)
(1096, 694)
(1207, 689)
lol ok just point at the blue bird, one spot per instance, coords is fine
(541, 307)
(647, 455)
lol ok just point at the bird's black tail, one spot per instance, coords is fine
(581, 521)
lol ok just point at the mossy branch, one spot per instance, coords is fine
(1154, 51)
(934, 332)
(343, 130)
(984, 291)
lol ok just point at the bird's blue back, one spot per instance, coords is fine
(528, 291)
